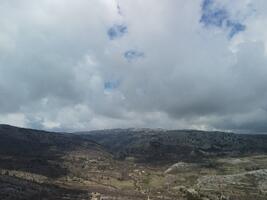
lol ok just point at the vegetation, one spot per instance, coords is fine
(189, 165)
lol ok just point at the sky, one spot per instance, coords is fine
(176, 64)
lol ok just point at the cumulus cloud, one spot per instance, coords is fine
(80, 65)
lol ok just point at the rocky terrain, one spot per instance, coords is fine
(132, 164)
(155, 145)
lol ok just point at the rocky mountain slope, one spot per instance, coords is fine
(154, 145)
(131, 164)
(39, 151)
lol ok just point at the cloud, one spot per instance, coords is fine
(79, 65)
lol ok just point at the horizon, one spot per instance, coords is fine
(132, 129)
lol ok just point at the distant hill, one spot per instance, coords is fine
(144, 144)
(158, 144)
(131, 164)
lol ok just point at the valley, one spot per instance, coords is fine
(131, 164)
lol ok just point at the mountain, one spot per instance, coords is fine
(31, 159)
(131, 164)
(171, 145)
(42, 149)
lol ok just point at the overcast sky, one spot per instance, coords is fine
(95, 64)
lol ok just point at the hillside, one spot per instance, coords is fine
(131, 164)
(154, 145)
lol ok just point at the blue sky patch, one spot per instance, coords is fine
(214, 16)
(206, 4)
(131, 55)
(111, 85)
(235, 28)
(117, 31)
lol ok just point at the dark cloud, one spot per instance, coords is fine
(78, 65)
